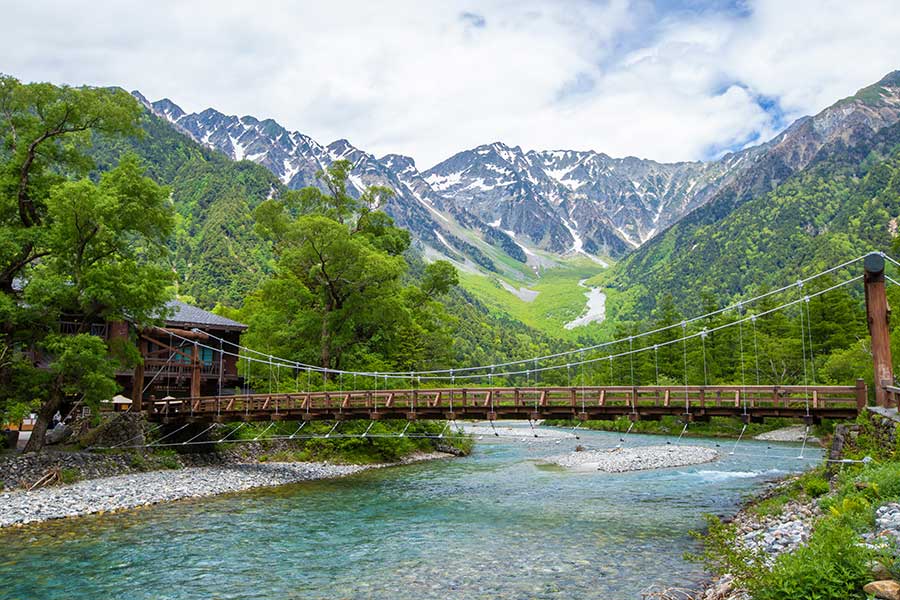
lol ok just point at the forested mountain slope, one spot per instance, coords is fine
(216, 253)
(220, 259)
(745, 234)
(845, 204)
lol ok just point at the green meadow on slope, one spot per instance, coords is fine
(559, 298)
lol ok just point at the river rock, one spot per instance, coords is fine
(57, 434)
(887, 589)
(793, 433)
(887, 528)
(879, 571)
(111, 494)
(639, 458)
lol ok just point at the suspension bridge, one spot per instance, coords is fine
(469, 393)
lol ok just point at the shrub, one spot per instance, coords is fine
(170, 462)
(771, 506)
(815, 486)
(137, 461)
(69, 475)
(830, 567)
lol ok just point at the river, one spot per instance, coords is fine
(496, 524)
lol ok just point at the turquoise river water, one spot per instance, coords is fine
(497, 524)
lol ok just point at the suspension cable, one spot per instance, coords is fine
(577, 350)
(683, 339)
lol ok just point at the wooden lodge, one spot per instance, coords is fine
(181, 358)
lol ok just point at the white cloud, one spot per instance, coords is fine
(428, 79)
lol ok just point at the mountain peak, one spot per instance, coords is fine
(140, 97)
(562, 201)
(341, 143)
(398, 162)
(885, 90)
(892, 79)
(168, 109)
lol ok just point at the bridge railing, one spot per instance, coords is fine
(527, 399)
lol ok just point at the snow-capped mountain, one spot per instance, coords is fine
(296, 158)
(570, 201)
(497, 198)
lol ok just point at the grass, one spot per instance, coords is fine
(166, 458)
(560, 299)
(810, 485)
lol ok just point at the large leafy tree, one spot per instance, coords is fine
(70, 245)
(340, 297)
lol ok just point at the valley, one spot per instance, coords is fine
(625, 268)
(524, 227)
(550, 302)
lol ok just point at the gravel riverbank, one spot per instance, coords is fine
(794, 433)
(771, 535)
(621, 460)
(123, 492)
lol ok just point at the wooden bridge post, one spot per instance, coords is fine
(137, 388)
(878, 314)
(861, 395)
(195, 371)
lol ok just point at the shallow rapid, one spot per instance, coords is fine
(497, 524)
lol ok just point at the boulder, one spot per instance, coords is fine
(57, 434)
(886, 589)
(879, 571)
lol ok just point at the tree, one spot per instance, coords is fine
(45, 131)
(70, 244)
(439, 277)
(338, 296)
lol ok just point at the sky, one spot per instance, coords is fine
(669, 80)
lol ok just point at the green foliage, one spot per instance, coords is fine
(168, 459)
(559, 299)
(81, 365)
(815, 486)
(775, 505)
(70, 245)
(69, 475)
(873, 483)
(830, 567)
(439, 278)
(495, 237)
(215, 250)
(338, 296)
(718, 427)
(723, 553)
(137, 461)
(842, 204)
(381, 445)
(483, 335)
(867, 445)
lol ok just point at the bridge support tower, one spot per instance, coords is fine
(878, 315)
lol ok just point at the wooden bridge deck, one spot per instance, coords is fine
(698, 403)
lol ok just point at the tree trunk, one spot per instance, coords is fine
(44, 416)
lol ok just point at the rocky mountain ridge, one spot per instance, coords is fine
(498, 200)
